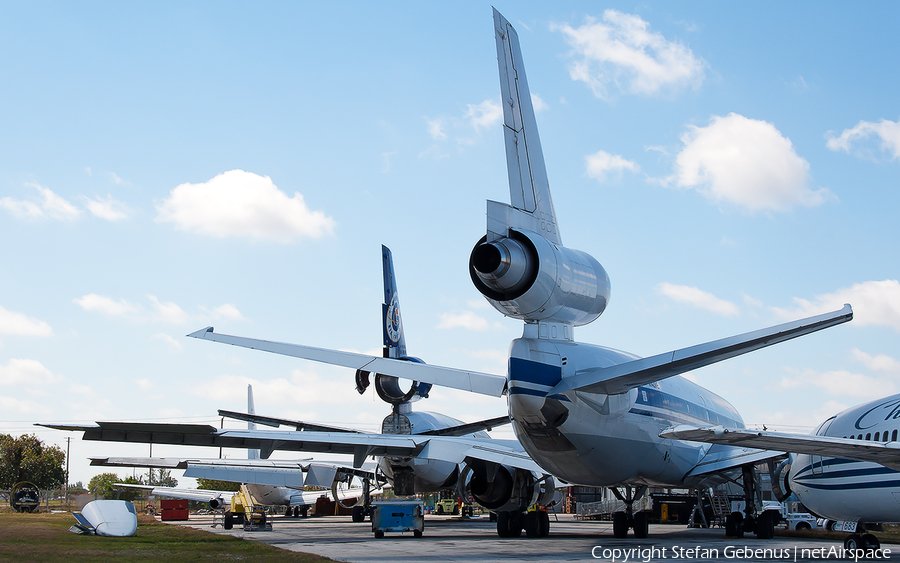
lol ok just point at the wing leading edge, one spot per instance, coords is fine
(473, 381)
(622, 377)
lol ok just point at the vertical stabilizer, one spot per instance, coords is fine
(529, 189)
(251, 454)
(394, 341)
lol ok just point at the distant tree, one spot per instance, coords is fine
(162, 478)
(213, 485)
(102, 485)
(127, 493)
(77, 488)
(26, 458)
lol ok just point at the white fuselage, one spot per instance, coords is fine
(606, 440)
(843, 489)
(269, 495)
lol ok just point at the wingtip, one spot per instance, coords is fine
(202, 332)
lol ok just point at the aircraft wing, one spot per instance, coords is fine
(184, 463)
(276, 422)
(200, 495)
(887, 453)
(360, 446)
(473, 381)
(622, 377)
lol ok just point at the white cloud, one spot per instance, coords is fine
(108, 208)
(436, 129)
(105, 305)
(881, 362)
(168, 312)
(841, 383)
(27, 373)
(228, 311)
(467, 320)
(486, 114)
(887, 131)
(875, 303)
(601, 163)
(242, 204)
(50, 206)
(745, 162)
(698, 298)
(21, 325)
(168, 340)
(621, 50)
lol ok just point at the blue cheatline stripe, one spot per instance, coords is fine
(534, 372)
(862, 472)
(669, 402)
(893, 484)
(830, 462)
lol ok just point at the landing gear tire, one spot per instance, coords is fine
(379, 534)
(417, 533)
(853, 542)
(765, 525)
(509, 524)
(620, 525)
(533, 524)
(358, 514)
(544, 518)
(870, 542)
(734, 525)
(641, 525)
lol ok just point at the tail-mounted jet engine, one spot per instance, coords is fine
(502, 488)
(525, 276)
(388, 386)
(214, 503)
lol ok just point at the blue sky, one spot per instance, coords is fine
(167, 166)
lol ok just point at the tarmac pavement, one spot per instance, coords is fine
(454, 539)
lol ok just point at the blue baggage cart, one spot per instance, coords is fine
(398, 516)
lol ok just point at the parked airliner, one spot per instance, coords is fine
(847, 470)
(588, 414)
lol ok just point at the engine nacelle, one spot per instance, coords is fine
(524, 276)
(388, 386)
(502, 488)
(781, 486)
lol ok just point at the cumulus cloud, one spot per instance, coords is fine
(22, 325)
(601, 164)
(108, 208)
(698, 298)
(467, 320)
(436, 129)
(173, 344)
(881, 362)
(875, 303)
(106, 305)
(621, 50)
(841, 383)
(888, 132)
(242, 204)
(168, 312)
(49, 206)
(485, 114)
(747, 163)
(228, 311)
(31, 373)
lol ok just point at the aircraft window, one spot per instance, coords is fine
(884, 437)
(877, 435)
(868, 435)
(859, 437)
(894, 436)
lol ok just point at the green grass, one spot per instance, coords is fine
(45, 537)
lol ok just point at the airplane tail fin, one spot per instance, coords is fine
(529, 189)
(392, 325)
(251, 409)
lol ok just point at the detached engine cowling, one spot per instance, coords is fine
(524, 276)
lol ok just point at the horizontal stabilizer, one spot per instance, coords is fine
(473, 381)
(276, 422)
(887, 453)
(463, 429)
(622, 377)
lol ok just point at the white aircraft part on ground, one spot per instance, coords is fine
(114, 518)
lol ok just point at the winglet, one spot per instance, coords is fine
(201, 333)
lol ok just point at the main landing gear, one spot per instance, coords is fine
(535, 523)
(623, 521)
(762, 524)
